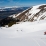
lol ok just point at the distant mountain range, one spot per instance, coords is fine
(12, 8)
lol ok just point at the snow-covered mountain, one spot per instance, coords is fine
(26, 33)
(34, 13)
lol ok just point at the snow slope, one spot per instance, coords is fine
(24, 34)
(37, 12)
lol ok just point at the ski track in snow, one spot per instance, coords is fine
(40, 42)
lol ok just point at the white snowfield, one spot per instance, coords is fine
(24, 34)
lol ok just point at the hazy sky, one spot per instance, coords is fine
(4, 3)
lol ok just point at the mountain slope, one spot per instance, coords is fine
(33, 14)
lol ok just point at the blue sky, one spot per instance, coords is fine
(4, 3)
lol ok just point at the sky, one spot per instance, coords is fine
(7, 3)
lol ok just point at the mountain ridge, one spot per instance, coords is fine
(34, 13)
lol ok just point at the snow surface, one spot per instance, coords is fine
(24, 34)
(33, 11)
(44, 14)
